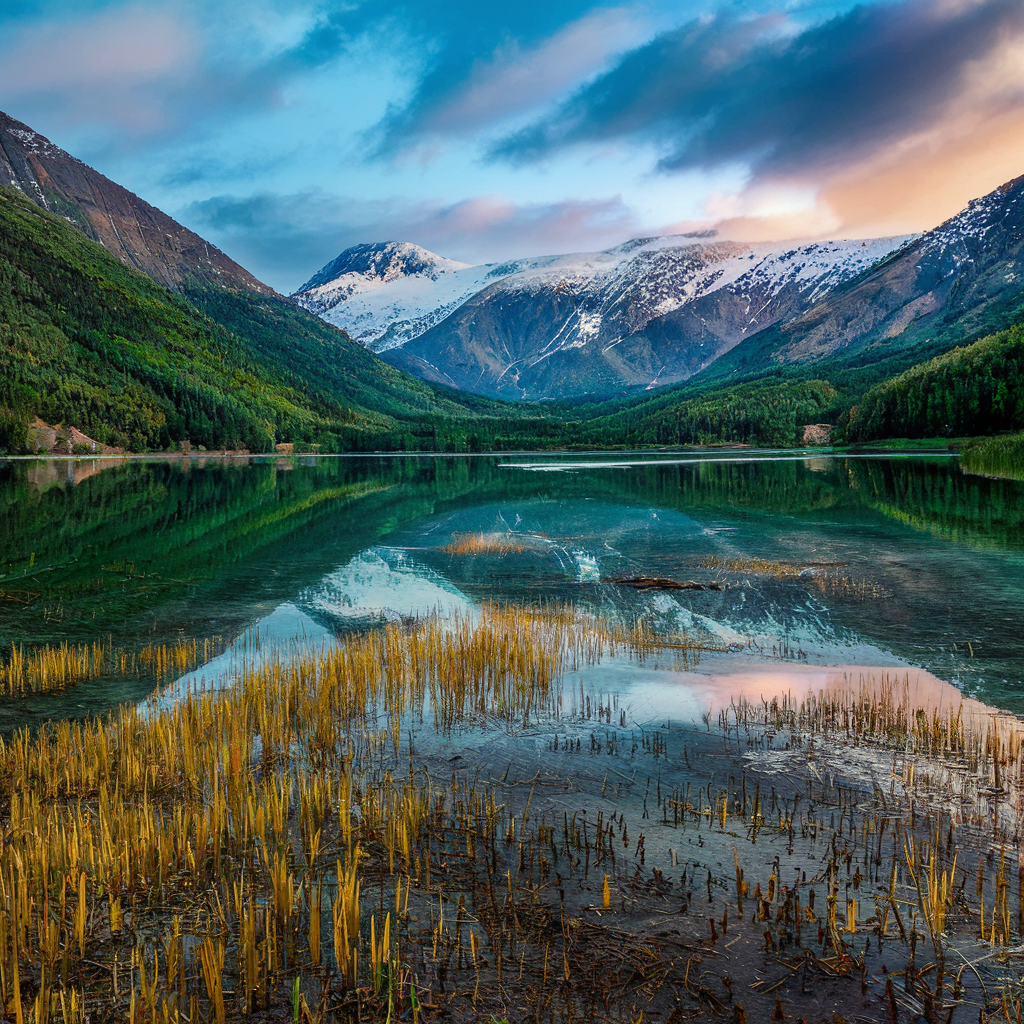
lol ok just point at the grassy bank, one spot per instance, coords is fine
(1001, 456)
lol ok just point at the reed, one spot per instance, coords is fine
(47, 669)
(188, 850)
(484, 544)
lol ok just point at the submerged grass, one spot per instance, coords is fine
(827, 577)
(208, 841)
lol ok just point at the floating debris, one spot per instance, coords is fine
(660, 583)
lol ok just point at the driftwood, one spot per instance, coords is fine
(659, 583)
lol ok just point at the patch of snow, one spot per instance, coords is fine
(36, 143)
(589, 325)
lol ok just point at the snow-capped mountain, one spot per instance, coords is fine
(958, 282)
(366, 267)
(649, 312)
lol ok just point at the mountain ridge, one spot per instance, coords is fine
(650, 311)
(960, 281)
(135, 231)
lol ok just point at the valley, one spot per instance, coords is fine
(512, 514)
(658, 341)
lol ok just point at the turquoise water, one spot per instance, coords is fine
(882, 561)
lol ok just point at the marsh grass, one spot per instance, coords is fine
(1001, 456)
(828, 577)
(282, 845)
(48, 669)
(485, 544)
(193, 852)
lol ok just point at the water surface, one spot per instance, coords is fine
(828, 561)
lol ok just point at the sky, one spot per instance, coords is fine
(287, 130)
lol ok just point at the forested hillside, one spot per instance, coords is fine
(978, 389)
(772, 412)
(90, 342)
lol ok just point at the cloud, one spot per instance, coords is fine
(883, 118)
(724, 89)
(284, 239)
(154, 70)
(127, 46)
(116, 61)
(515, 79)
(483, 62)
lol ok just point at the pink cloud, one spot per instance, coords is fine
(125, 46)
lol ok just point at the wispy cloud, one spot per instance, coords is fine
(513, 80)
(883, 117)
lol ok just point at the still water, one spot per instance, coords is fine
(791, 564)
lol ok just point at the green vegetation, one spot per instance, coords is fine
(978, 389)
(89, 342)
(320, 362)
(917, 444)
(995, 456)
(762, 413)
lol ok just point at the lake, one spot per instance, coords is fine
(871, 560)
(695, 733)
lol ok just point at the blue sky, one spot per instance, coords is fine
(287, 131)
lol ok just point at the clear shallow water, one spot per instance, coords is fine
(889, 562)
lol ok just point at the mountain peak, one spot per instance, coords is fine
(372, 264)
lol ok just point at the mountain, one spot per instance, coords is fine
(202, 350)
(647, 313)
(135, 232)
(961, 281)
(93, 344)
(365, 267)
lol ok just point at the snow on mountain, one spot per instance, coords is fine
(388, 294)
(366, 268)
(951, 284)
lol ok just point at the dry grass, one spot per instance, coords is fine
(827, 577)
(46, 669)
(274, 847)
(485, 544)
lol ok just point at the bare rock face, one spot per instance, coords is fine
(818, 433)
(60, 439)
(135, 232)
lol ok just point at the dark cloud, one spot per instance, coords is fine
(725, 89)
(450, 38)
(285, 239)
